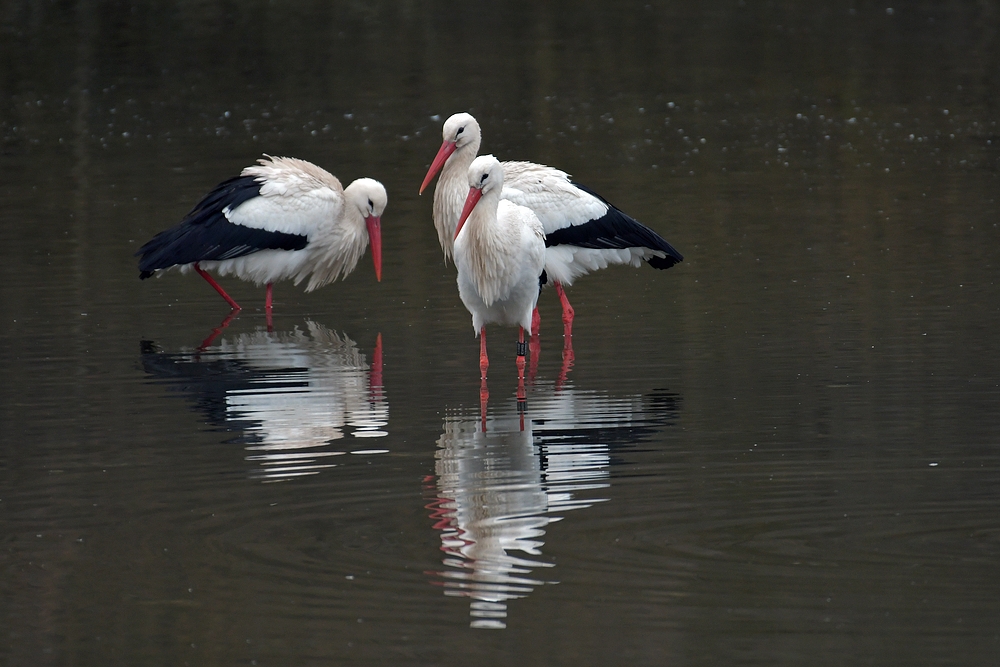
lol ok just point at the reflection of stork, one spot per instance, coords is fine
(289, 394)
(500, 484)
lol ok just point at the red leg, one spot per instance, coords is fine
(484, 362)
(217, 286)
(520, 364)
(568, 312)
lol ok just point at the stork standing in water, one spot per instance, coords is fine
(583, 231)
(281, 219)
(499, 249)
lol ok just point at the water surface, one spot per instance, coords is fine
(784, 450)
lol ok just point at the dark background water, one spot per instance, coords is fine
(782, 451)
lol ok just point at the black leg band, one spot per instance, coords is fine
(522, 348)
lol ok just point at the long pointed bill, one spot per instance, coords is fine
(475, 194)
(447, 148)
(374, 224)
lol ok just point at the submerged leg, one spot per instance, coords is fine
(484, 398)
(375, 373)
(217, 330)
(217, 286)
(568, 312)
(535, 347)
(484, 362)
(268, 301)
(536, 322)
(567, 361)
(520, 363)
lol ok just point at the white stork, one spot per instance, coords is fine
(583, 231)
(500, 254)
(282, 219)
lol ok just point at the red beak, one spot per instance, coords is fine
(447, 148)
(374, 224)
(475, 194)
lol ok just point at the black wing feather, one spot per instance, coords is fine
(205, 234)
(615, 229)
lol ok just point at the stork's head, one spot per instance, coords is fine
(485, 176)
(370, 198)
(460, 132)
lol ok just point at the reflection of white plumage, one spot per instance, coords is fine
(330, 394)
(491, 502)
(291, 393)
(499, 485)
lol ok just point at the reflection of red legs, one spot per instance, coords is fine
(484, 397)
(217, 330)
(268, 301)
(567, 361)
(217, 286)
(567, 309)
(520, 364)
(375, 378)
(535, 348)
(536, 321)
(484, 361)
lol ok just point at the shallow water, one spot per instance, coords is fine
(782, 451)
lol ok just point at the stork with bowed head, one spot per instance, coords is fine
(281, 219)
(583, 231)
(499, 249)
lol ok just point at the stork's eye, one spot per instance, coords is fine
(483, 179)
(460, 131)
(370, 204)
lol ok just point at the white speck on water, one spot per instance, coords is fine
(933, 465)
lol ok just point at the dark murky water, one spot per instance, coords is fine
(786, 450)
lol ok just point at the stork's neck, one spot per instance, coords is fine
(455, 171)
(450, 193)
(483, 229)
(489, 247)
